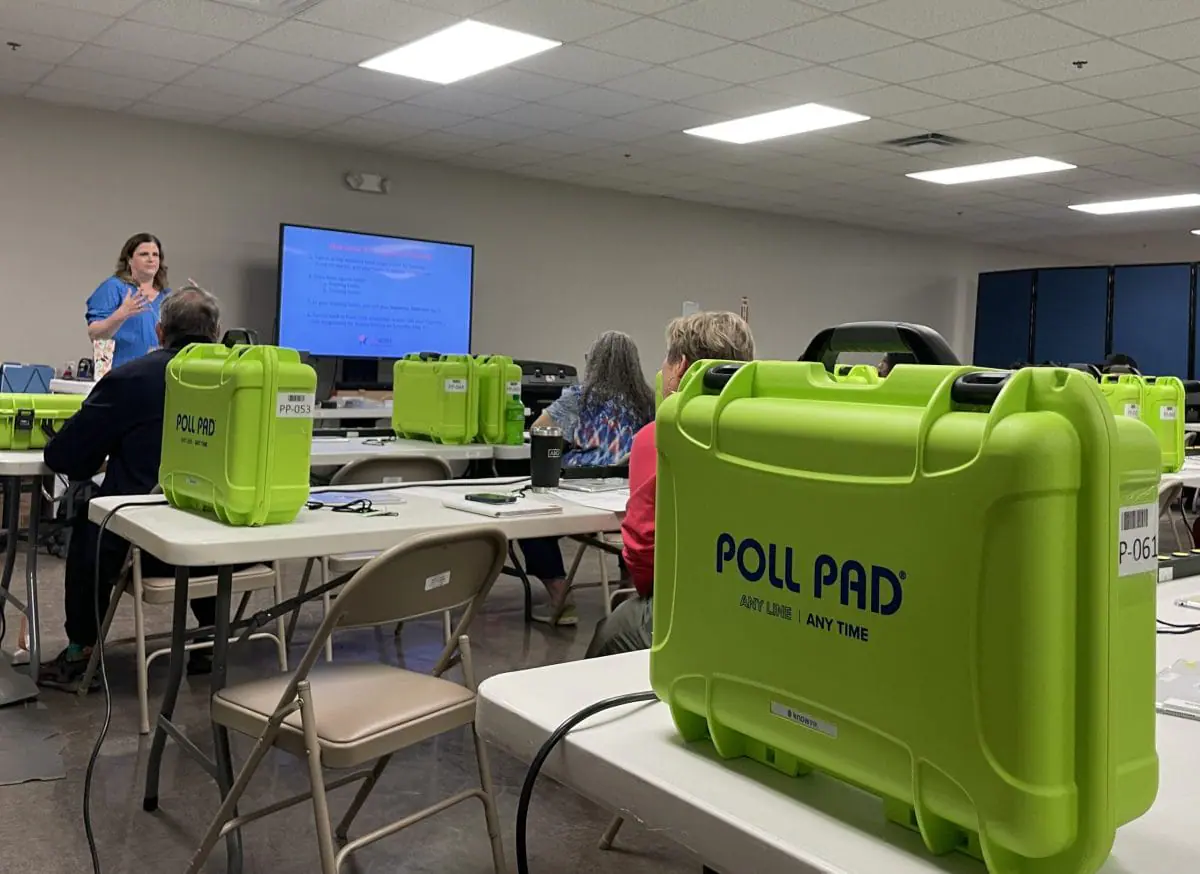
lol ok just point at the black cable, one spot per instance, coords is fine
(1190, 625)
(551, 742)
(91, 765)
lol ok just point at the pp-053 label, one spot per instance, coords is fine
(1133, 411)
(289, 405)
(1137, 544)
(456, 386)
(1167, 413)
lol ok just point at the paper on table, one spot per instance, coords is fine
(613, 502)
(526, 506)
(337, 497)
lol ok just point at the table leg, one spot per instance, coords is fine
(12, 513)
(221, 753)
(518, 570)
(167, 710)
(35, 633)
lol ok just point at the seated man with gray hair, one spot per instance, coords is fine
(121, 424)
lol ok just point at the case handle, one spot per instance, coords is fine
(924, 344)
(240, 337)
(716, 378)
(979, 389)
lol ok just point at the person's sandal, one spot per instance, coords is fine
(564, 617)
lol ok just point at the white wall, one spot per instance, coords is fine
(555, 264)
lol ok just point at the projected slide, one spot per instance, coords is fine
(355, 295)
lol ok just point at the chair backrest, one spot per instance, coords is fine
(428, 574)
(403, 468)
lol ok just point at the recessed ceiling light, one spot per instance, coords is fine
(1196, 232)
(992, 170)
(779, 123)
(461, 50)
(1146, 204)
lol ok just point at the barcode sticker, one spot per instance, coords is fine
(1167, 413)
(829, 729)
(456, 386)
(1133, 411)
(437, 581)
(294, 405)
(1137, 544)
(512, 388)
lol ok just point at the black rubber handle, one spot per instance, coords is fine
(979, 389)
(240, 337)
(924, 344)
(1090, 369)
(715, 378)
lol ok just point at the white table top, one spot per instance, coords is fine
(741, 816)
(182, 538)
(366, 411)
(71, 386)
(22, 463)
(1191, 426)
(1189, 474)
(336, 451)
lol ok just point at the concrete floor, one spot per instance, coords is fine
(42, 824)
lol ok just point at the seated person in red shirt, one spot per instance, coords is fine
(723, 336)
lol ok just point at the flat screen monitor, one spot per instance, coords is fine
(350, 295)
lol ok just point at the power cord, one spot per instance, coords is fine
(91, 765)
(535, 766)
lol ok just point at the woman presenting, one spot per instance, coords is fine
(125, 306)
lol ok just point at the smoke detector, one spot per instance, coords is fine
(924, 144)
(278, 8)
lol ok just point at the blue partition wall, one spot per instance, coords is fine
(1150, 316)
(1071, 315)
(1002, 318)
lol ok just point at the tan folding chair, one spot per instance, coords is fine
(612, 540)
(161, 590)
(372, 471)
(347, 715)
(1170, 518)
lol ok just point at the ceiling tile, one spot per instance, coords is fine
(1015, 38)
(740, 63)
(303, 38)
(1060, 145)
(907, 63)
(604, 101)
(948, 117)
(240, 84)
(1173, 104)
(129, 64)
(1173, 147)
(92, 81)
(258, 61)
(340, 102)
(35, 47)
(741, 21)
(1102, 154)
(610, 130)
(361, 130)
(91, 99)
(830, 39)
(922, 19)
(1141, 82)
(565, 20)
(1116, 17)
(133, 36)
(738, 101)
(174, 113)
(1141, 131)
(203, 99)
(18, 69)
(818, 83)
(542, 117)
(257, 126)
(417, 117)
(460, 7)
(1175, 43)
(520, 85)
(28, 17)
(475, 104)
(371, 83)
(565, 143)
(390, 20)
(115, 8)
(1097, 115)
(1031, 101)
(1102, 57)
(663, 83)
(641, 7)
(889, 101)
(837, 5)
(436, 143)
(491, 130)
(1004, 131)
(578, 64)
(295, 116)
(655, 42)
(669, 117)
(976, 82)
(201, 16)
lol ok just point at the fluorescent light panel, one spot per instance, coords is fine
(1196, 232)
(991, 170)
(779, 123)
(458, 52)
(1146, 204)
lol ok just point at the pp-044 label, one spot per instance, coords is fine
(294, 405)
(1137, 544)
(829, 729)
(1133, 411)
(456, 386)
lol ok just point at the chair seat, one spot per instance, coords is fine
(363, 711)
(344, 564)
(161, 590)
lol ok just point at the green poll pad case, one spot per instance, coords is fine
(938, 588)
(436, 397)
(237, 432)
(1125, 393)
(499, 382)
(1163, 410)
(29, 421)
(856, 374)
